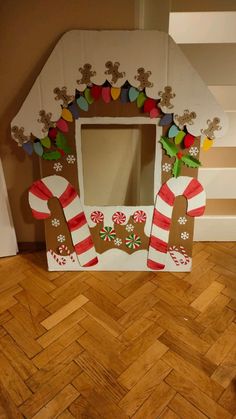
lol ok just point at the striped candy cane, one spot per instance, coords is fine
(65, 249)
(186, 257)
(174, 252)
(193, 191)
(59, 259)
(57, 186)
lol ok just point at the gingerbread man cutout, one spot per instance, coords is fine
(143, 77)
(45, 118)
(19, 135)
(186, 118)
(212, 127)
(113, 69)
(61, 94)
(87, 73)
(166, 97)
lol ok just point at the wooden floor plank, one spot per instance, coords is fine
(81, 408)
(102, 318)
(64, 312)
(144, 388)
(54, 366)
(24, 340)
(59, 403)
(196, 397)
(141, 365)
(156, 403)
(185, 409)
(137, 296)
(223, 345)
(18, 359)
(49, 390)
(62, 327)
(169, 414)
(12, 382)
(101, 376)
(189, 354)
(207, 296)
(116, 345)
(197, 376)
(228, 398)
(226, 371)
(98, 398)
(218, 327)
(59, 345)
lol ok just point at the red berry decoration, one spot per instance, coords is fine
(179, 155)
(61, 152)
(188, 140)
(96, 91)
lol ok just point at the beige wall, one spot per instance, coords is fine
(202, 5)
(29, 32)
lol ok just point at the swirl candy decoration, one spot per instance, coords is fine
(185, 186)
(133, 241)
(97, 217)
(57, 186)
(107, 234)
(119, 218)
(140, 216)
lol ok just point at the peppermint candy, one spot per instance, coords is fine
(140, 216)
(119, 218)
(107, 234)
(97, 217)
(133, 241)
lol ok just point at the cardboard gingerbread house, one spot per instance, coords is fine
(138, 79)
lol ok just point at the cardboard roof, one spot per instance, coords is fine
(153, 50)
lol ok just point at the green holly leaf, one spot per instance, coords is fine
(190, 161)
(61, 142)
(177, 167)
(169, 147)
(51, 155)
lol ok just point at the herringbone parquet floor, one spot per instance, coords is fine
(119, 345)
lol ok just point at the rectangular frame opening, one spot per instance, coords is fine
(118, 163)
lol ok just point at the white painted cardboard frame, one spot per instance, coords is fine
(116, 259)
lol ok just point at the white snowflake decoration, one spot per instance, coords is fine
(117, 242)
(184, 235)
(166, 167)
(55, 222)
(71, 159)
(129, 228)
(57, 167)
(182, 220)
(193, 151)
(61, 238)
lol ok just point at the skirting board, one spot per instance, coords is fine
(218, 182)
(215, 228)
